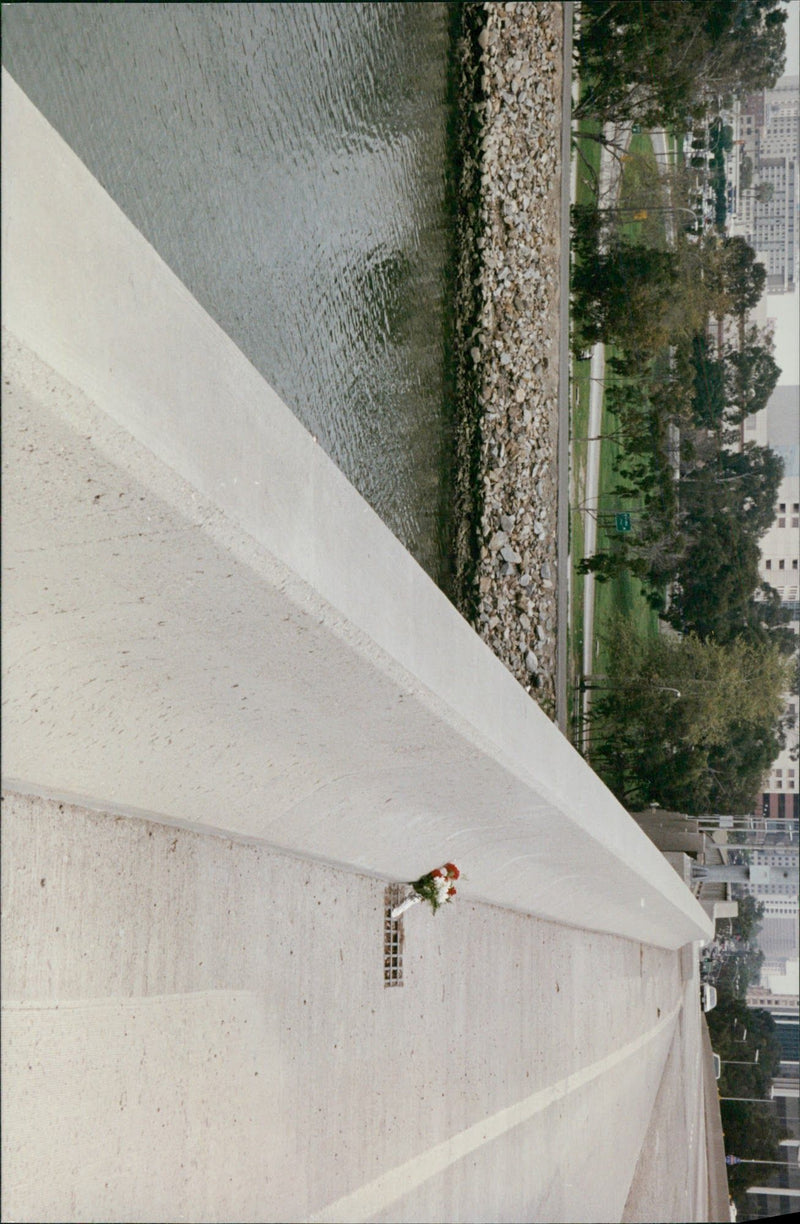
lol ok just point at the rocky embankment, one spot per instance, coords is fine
(513, 342)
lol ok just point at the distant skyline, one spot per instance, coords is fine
(793, 39)
(784, 308)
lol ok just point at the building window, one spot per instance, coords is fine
(781, 564)
(768, 563)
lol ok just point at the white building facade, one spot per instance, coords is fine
(767, 143)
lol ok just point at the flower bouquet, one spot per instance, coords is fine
(436, 887)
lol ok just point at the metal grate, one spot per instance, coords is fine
(393, 937)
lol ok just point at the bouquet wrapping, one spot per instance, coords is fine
(437, 887)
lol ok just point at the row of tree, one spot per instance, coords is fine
(745, 1039)
(662, 62)
(687, 724)
(696, 535)
(691, 721)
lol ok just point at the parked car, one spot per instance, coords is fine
(708, 996)
(717, 1065)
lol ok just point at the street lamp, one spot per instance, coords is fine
(752, 1100)
(783, 1164)
(650, 208)
(589, 683)
(737, 1062)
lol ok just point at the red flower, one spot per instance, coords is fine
(451, 892)
(437, 875)
(452, 871)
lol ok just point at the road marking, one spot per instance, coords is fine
(368, 1200)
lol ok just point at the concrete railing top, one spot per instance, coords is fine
(206, 623)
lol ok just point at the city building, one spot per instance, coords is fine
(774, 883)
(778, 426)
(764, 188)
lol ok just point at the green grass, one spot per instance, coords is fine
(587, 153)
(623, 595)
(638, 186)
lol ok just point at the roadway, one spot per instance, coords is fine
(671, 1181)
(213, 1013)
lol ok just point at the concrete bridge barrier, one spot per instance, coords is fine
(205, 624)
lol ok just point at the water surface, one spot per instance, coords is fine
(288, 161)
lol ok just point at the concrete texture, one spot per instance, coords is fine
(718, 1195)
(670, 1182)
(196, 1028)
(204, 623)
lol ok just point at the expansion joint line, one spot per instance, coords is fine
(369, 1200)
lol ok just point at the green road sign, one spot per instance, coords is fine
(622, 522)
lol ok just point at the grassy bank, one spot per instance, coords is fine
(622, 595)
(586, 152)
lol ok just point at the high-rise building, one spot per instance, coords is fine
(767, 209)
(778, 426)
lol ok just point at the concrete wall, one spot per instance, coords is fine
(205, 624)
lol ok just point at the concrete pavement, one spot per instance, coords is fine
(211, 638)
(718, 1195)
(671, 1178)
(196, 1028)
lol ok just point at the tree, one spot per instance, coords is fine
(720, 136)
(752, 477)
(752, 1130)
(709, 398)
(663, 727)
(747, 922)
(726, 506)
(718, 569)
(752, 374)
(735, 279)
(621, 291)
(736, 768)
(764, 193)
(740, 484)
(745, 277)
(655, 63)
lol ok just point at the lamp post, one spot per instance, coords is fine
(738, 1062)
(648, 208)
(589, 682)
(752, 1100)
(782, 1164)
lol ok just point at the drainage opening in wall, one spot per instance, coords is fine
(392, 937)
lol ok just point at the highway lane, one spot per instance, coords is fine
(214, 1011)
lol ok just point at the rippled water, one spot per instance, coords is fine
(288, 161)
